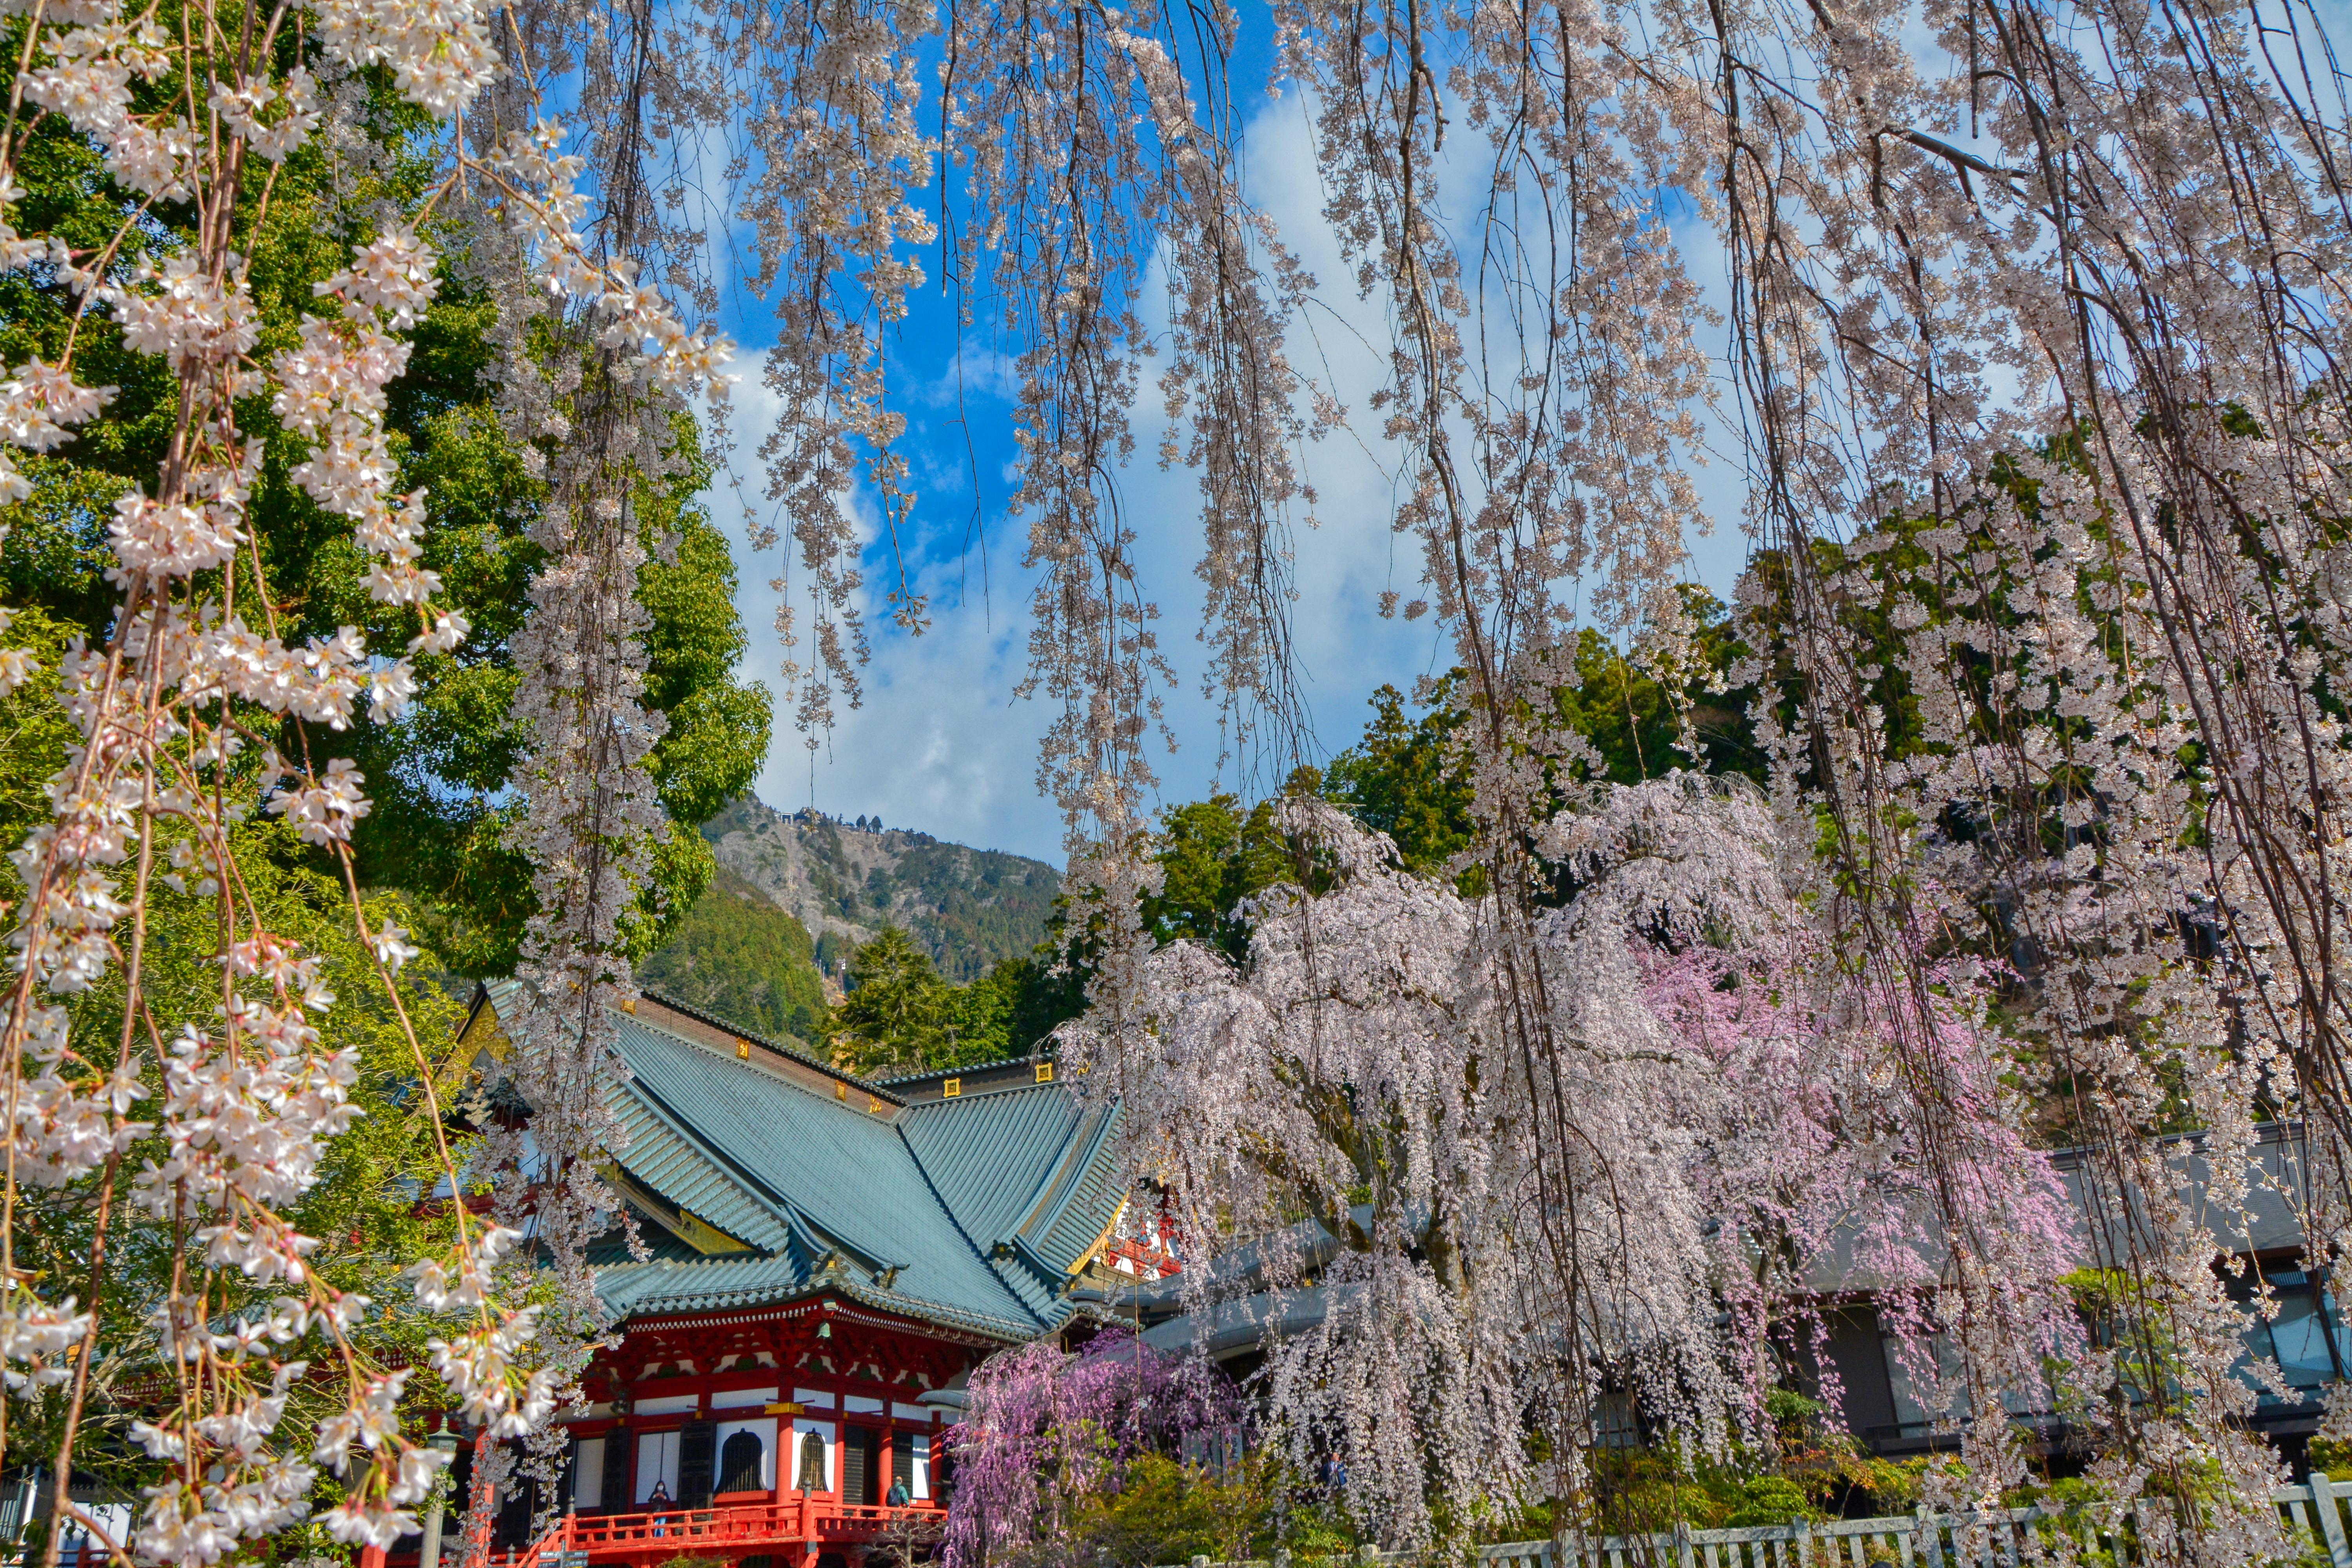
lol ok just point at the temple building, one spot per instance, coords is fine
(824, 1259)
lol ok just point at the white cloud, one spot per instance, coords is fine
(938, 743)
(942, 744)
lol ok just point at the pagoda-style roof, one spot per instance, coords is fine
(764, 1175)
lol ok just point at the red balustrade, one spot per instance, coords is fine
(802, 1526)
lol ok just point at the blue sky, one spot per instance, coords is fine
(941, 742)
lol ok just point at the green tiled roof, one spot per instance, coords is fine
(666, 1158)
(1027, 1173)
(970, 1213)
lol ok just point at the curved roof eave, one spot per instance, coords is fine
(657, 1296)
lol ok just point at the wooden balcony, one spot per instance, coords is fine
(794, 1530)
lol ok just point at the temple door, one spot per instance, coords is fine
(861, 1465)
(695, 1464)
(617, 1446)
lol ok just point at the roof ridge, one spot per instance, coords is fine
(669, 1051)
(871, 1086)
(898, 1078)
(969, 1097)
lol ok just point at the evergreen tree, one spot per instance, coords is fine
(437, 777)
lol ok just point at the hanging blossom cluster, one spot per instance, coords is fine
(1717, 1078)
(1080, 160)
(595, 367)
(1046, 1431)
(2062, 691)
(194, 710)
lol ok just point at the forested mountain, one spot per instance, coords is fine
(736, 956)
(966, 907)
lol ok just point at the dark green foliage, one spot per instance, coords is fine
(442, 814)
(894, 1018)
(1213, 856)
(901, 1016)
(1798, 1467)
(33, 730)
(1629, 715)
(736, 956)
(719, 727)
(1405, 778)
(1012, 1010)
(976, 906)
(1162, 1511)
(1034, 996)
(437, 777)
(56, 556)
(1167, 1512)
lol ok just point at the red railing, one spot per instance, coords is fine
(738, 1532)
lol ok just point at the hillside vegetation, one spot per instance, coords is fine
(967, 909)
(935, 940)
(736, 956)
(948, 973)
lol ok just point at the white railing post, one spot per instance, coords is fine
(2331, 1522)
(1928, 1536)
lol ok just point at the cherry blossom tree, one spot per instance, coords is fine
(1734, 1111)
(1047, 1429)
(2034, 375)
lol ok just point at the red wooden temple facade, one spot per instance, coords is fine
(771, 1437)
(829, 1261)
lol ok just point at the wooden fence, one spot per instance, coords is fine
(2311, 1518)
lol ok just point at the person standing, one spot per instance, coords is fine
(656, 1502)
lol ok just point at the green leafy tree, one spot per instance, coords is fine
(895, 1018)
(1405, 778)
(1638, 720)
(1020, 1002)
(1013, 1010)
(901, 1016)
(1213, 854)
(437, 777)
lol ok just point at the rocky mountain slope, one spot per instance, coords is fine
(968, 908)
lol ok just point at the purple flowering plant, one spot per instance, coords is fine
(1048, 1430)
